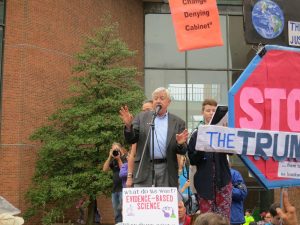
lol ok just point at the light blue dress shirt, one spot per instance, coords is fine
(160, 137)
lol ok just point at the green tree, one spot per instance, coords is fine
(79, 135)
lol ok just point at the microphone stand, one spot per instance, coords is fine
(152, 146)
(151, 149)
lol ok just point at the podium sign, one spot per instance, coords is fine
(154, 205)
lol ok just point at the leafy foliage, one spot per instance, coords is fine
(79, 135)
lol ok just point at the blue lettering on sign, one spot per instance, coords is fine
(263, 140)
(294, 26)
(266, 141)
(295, 40)
(211, 137)
(245, 135)
(287, 146)
(294, 147)
(224, 140)
(221, 140)
(229, 140)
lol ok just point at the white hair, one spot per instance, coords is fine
(161, 89)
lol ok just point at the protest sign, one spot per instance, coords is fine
(267, 97)
(154, 205)
(267, 144)
(196, 23)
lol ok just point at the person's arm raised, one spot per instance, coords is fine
(107, 162)
(126, 116)
(182, 137)
(288, 212)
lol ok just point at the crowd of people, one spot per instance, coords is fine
(160, 143)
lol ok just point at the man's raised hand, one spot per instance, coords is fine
(182, 137)
(126, 116)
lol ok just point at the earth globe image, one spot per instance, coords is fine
(267, 19)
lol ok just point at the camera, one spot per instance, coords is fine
(116, 152)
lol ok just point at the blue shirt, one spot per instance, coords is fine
(160, 136)
(183, 179)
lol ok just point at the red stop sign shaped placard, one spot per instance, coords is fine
(267, 97)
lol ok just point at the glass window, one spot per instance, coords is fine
(210, 57)
(240, 54)
(207, 84)
(230, 2)
(160, 42)
(173, 80)
(1, 11)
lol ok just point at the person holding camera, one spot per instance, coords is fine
(115, 160)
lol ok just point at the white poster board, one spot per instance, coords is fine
(150, 205)
(7, 207)
(283, 147)
(294, 33)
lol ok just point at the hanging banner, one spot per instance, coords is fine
(283, 147)
(196, 24)
(260, 143)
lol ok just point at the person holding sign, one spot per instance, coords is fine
(170, 137)
(212, 179)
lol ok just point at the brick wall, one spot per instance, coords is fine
(41, 38)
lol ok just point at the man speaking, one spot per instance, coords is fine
(170, 138)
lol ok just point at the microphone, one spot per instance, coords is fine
(157, 109)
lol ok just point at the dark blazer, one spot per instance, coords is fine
(212, 168)
(138, 134)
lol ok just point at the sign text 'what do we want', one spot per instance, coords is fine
(145, 199)
(150, 205)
